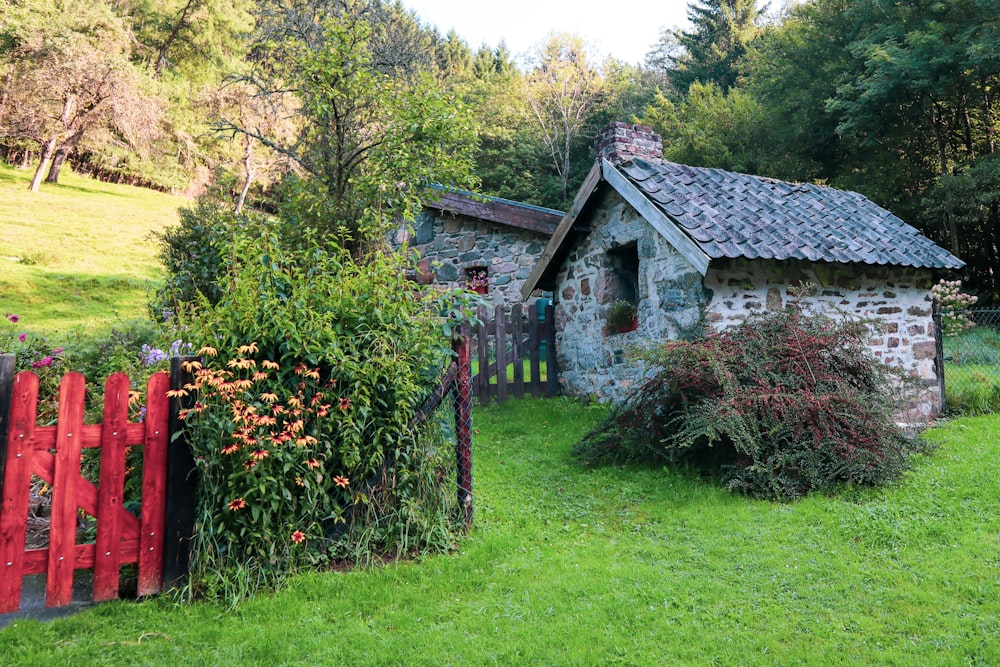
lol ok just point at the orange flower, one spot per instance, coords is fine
(312, 464)
(177, 393)
(237, 504)
(298, 480)
(249, 465)
(208, 351)
(259, 375)
(269, 397)
(259, 454)
(248, 349)
(190, 366)
(345, 403)
(298, 537)
(314, 374)
(270, 365)
(340, 481)
(306, 440)
(231, 448)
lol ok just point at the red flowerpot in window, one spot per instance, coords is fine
(481, 289)
(631, 326)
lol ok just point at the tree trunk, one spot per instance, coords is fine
(248, 172)
(43, 163)
(60, 156)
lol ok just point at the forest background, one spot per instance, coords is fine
(347, 106)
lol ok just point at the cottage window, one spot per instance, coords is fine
(623, 273)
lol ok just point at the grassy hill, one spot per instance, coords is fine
(80, 252)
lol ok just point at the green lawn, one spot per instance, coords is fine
(79, 252)
(639, 566)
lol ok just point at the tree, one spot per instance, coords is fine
(709, 128)
(562, 89)
(896, 101)
(192, 37)
(710, 53)
(68, 74)
(370, 134)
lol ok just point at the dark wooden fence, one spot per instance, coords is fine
(515, 353)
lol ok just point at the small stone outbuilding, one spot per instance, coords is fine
(690, 246)
(461, 237)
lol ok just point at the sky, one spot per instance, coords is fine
(626, 31)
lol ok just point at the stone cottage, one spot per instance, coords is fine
(469, 239)
(692, 245)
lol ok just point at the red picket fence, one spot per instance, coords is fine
(53, 453)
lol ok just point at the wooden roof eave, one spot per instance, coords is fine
(657, 219)
(544, 268)
(492, 210)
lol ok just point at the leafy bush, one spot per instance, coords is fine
(780, 405)
(302, 424)
(193, 252)
(955, 305)
(34, 353)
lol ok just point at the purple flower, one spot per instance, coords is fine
(152, 355)
(44, 361)
(22, 338)
(57, 351)
(12, 317)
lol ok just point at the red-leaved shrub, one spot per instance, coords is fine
(780, 405)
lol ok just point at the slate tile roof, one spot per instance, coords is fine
(738, 215)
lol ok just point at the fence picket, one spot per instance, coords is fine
(501, 353)
(111, 490)
(17, 478)
(513, 340)
(517, 339)
(62, 529)
(154, 485)
(483, 348)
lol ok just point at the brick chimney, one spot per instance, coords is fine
(619, 142)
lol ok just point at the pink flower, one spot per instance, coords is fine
(12, 317)
(44, 361)
(22, 338)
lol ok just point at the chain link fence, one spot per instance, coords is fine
(972, 365)
(450, 406)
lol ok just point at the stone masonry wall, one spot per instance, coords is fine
(593, 361)
(674, 301)
(452, 245)
(898, 296)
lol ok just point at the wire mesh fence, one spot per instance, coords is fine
(972, 365)
(450, 407)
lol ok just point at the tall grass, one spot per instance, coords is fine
(78, 252)
(628, 566)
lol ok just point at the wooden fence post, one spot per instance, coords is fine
(463, 424)
(7, 364)
(182, 485)
(939, 351)
(551, 364)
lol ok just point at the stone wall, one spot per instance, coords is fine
(593, 361)
(897, 296)
(674, 301)
(451, 246)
